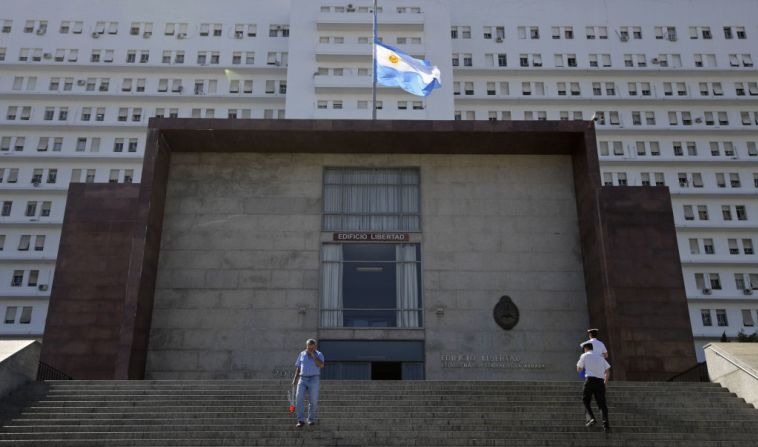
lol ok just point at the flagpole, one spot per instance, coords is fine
(373, 89)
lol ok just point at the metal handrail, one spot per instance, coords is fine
(394, 309)
(733, 362)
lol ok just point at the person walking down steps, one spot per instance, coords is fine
(596, 371)
(307, 376)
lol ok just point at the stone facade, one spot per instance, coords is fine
(238, 277)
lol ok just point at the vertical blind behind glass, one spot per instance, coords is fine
(365, 199)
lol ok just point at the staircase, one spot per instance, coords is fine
(255, 413)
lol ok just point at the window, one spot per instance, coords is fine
(371, 285)
(700, 281)
(24, 242)
(694, 247)
(733, 248)
(739, 281)
(396, 204)
(26, 315)
(721, 317)
(31, 209)
(747, 317)
(726, 212)
(702, 212)
(33, 278)
(715, 281)
(18, 278)
(741, 212)
(705, 314)
(734, 180)
(10, 314)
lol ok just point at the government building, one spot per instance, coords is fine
(671, 88)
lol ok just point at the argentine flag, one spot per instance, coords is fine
(396, 69)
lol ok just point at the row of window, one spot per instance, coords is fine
(728, 212)
(468, 88)
(570, 60)
(642, 148)
(145, 29)
(55, 144)
(706, 246)
(50, 176)
(337, 104)
(638, 118)
(706, 282)
(25, 242)
(560, 60)
(722, 320)
(98, 114)
(607, 88)
(139, 85)
(203, 57)
(11, 315)
(31, 276)
(721, 179)
(240, 30)
(32, 208)
(339, 40)
(685, 180)
(624, 33)
(124, 115)
(365, 9)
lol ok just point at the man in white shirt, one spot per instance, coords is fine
(596, 372)
(597, 344)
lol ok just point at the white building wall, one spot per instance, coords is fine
(322, 70)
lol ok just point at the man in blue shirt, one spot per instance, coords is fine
(307, 376)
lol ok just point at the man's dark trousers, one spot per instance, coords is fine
(594, 387)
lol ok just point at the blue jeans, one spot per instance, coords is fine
(311, 384)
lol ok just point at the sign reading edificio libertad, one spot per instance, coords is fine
(373, 237)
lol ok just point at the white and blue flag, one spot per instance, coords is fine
(397, 69)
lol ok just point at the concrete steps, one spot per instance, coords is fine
(442, 414)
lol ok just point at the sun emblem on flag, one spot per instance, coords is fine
(394, 59)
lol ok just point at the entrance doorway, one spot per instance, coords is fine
(386, 371)
(372, 360)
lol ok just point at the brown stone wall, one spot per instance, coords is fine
(643, 311)
(87, 298)
(102, 296)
